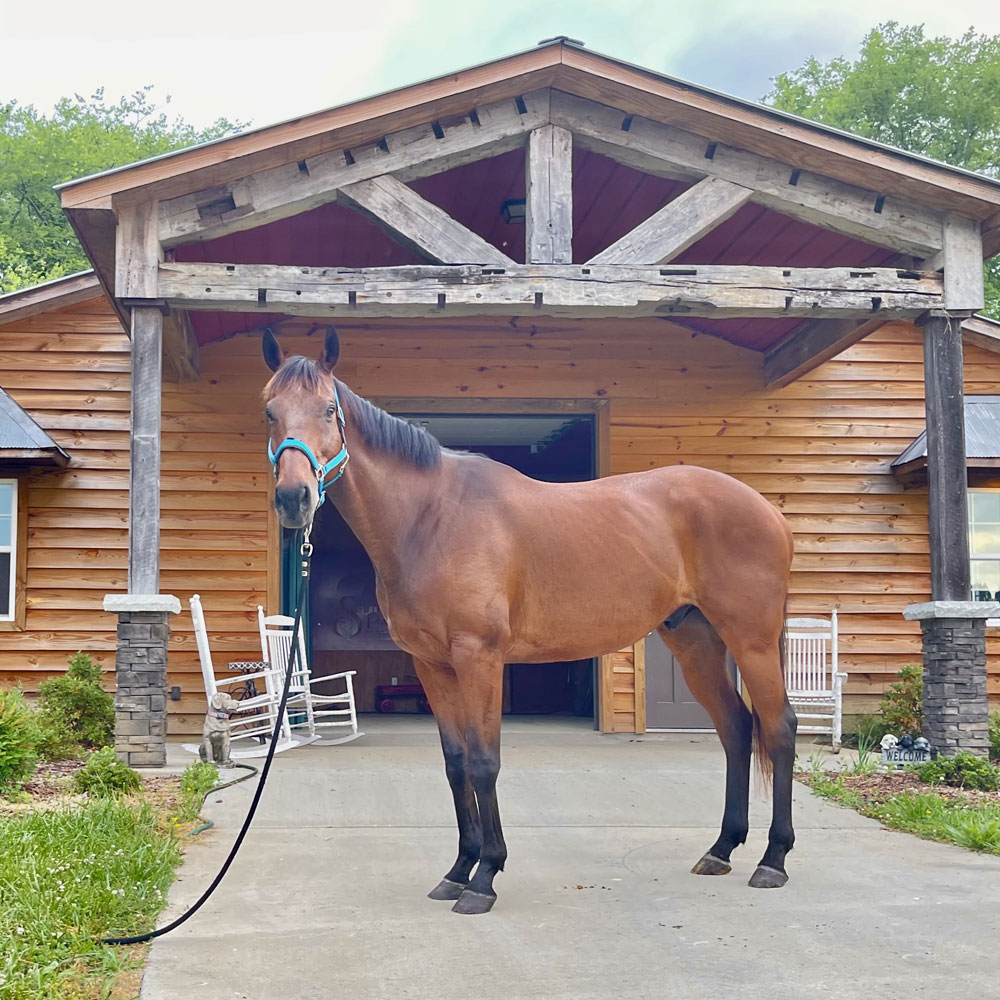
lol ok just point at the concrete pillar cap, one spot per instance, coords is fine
(142, 602)
(952, 609)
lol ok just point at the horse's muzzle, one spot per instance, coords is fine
(295, 505)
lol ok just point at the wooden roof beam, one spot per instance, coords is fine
(816, 342)
(292, 188)
(667, 151)
(551, 290)
(549, 196)
(417, 224)
(680, 223)
(961, 260)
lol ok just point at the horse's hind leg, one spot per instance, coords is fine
(702, 656)
(760, 666)
(441, 687)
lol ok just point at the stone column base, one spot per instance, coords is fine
(956, 710)
(141, 676)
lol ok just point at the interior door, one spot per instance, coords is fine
(669, 702)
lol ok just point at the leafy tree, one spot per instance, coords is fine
(939, 97)
(80, 137)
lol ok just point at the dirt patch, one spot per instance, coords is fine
(880, 786)
(51, 787)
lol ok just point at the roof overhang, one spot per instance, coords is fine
(24, 446)
(55, 294)
(982, 440)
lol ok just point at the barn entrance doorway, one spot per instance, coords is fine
(347, 630)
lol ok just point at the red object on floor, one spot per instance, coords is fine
(386, 695)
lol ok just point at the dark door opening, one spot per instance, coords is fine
(347, 630)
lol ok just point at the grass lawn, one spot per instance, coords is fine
(900, 801)
(73, 869)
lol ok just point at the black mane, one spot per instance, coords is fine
(378, 429)
(387, 433)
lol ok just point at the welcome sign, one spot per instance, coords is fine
(897, 756)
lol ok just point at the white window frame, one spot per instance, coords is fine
(987, 557)
(12, 549)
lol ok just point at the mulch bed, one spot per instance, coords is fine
(880, 786)
(51, 787)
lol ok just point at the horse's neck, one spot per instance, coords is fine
(382, 498)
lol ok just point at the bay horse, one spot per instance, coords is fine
(477, 565)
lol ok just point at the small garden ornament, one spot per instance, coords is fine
(215, 733)
(888, 742)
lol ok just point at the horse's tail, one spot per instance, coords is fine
(762, 758)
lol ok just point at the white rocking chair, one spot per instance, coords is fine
(813, 682)
(310, 711)
(264, 706)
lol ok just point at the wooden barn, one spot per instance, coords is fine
(574, 265)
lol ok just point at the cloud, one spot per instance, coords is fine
(249, 61)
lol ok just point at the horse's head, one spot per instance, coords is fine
(305, 424)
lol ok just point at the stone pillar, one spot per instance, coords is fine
(956, 711)
(141, 676)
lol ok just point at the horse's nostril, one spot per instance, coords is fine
(292, 497)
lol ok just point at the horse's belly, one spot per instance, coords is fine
(588, 622)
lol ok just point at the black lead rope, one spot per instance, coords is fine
(306, 551)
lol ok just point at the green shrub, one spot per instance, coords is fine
(964, 770)
(105, 775)
(902, 704)
(869, 730)
(75, 712)
(196, 781)
(19, 739)
(995, 735)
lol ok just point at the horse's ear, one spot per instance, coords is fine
(273, 354)
(331, 350)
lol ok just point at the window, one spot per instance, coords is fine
(8, 547)
(984, 544)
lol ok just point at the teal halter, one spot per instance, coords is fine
(338, 462)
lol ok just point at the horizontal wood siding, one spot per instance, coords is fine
(65, 367)
(819, 449)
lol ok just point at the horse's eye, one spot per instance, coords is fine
(330, 411)
(269, 415)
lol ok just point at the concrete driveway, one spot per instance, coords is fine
(326, 899)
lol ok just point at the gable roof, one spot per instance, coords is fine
(22, 440)
(565, 66)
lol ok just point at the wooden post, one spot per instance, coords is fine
(549, 203)
(946, 469)
(144, 473)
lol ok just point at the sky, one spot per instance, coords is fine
(245, 61)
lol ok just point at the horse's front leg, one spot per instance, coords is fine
(480, 681)
(440, 686)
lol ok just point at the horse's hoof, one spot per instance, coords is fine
(709, 864)
(766, 877)
(474, 902)
(446, 889)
